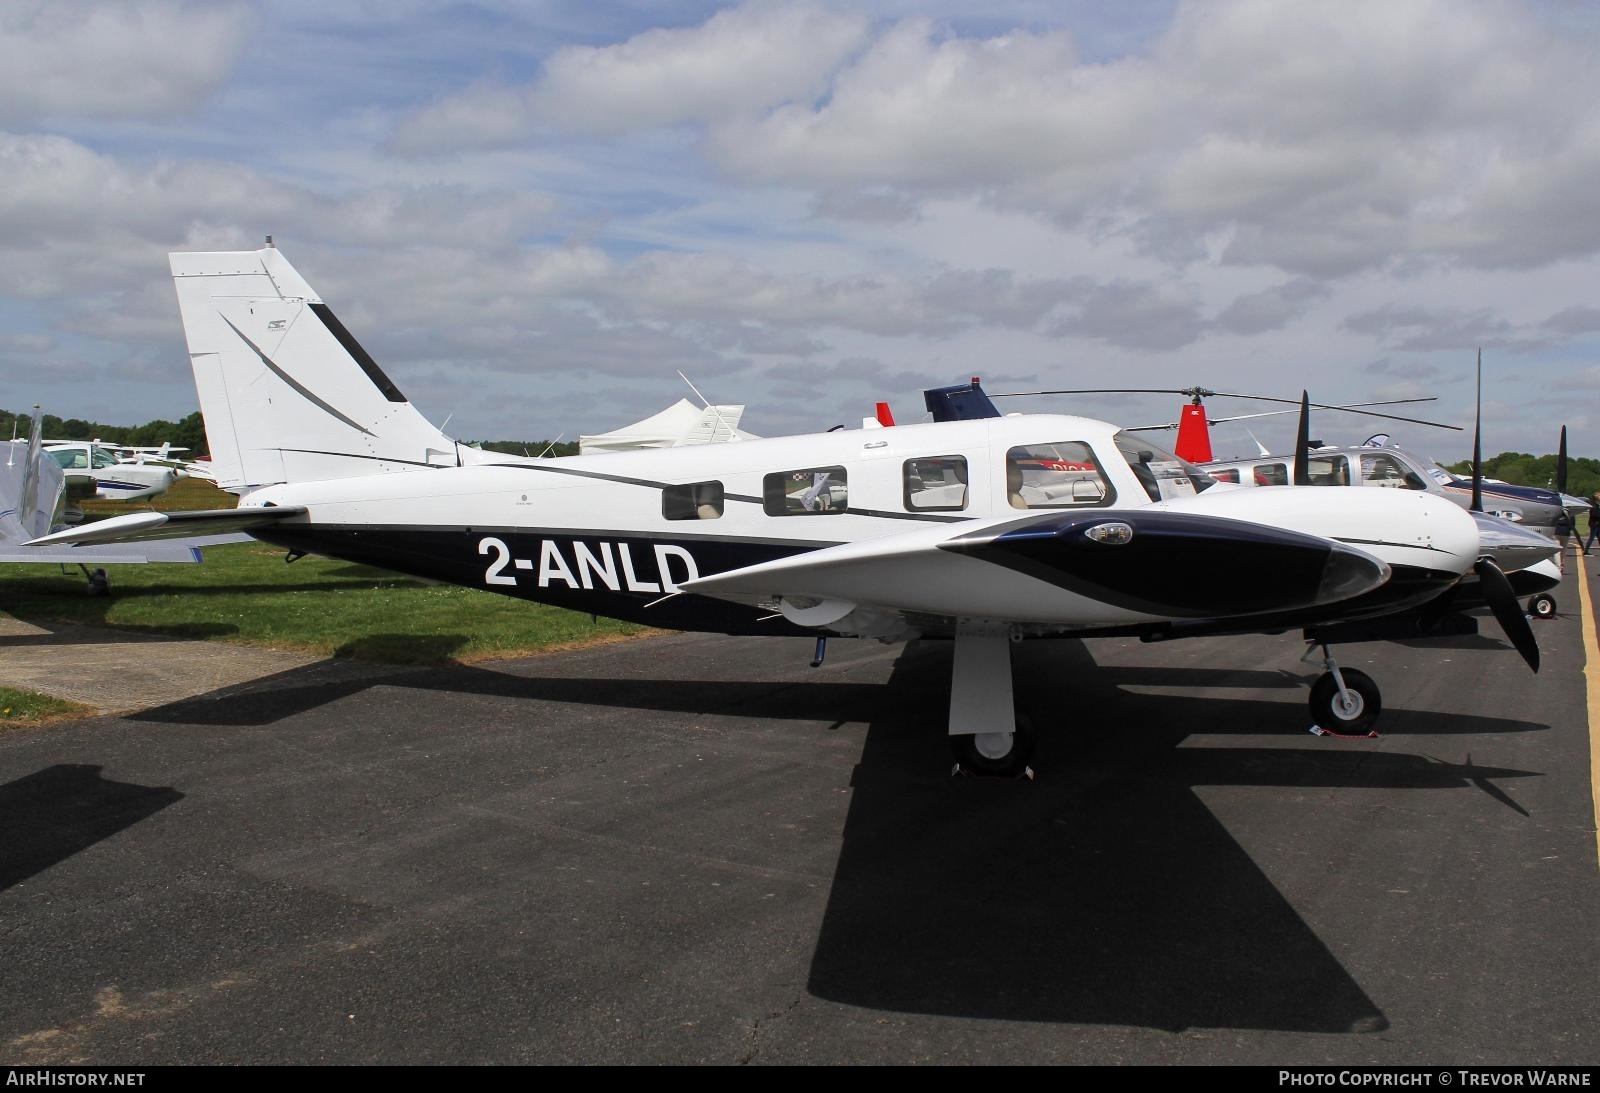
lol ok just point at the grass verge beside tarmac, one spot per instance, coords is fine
(245, 593)
(25, 709)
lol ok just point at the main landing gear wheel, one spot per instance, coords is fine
(99, 583)
(996, 754)
(1351, 714)
(1542, 606)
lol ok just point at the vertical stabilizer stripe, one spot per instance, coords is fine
(382, 382)
(292, 382)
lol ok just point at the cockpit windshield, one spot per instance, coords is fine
(1162, 474)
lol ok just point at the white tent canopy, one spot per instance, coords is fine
(679, 424)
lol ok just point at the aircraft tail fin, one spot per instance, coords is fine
(31, 488)
(717, 425)
(286, 391)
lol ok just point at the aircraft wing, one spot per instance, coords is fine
(139, 527)
(1106, 568)
(109, 553)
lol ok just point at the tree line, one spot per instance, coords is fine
(188, 433)
(1522, 469)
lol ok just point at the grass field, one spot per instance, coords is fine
(25, 709)
(246, 593)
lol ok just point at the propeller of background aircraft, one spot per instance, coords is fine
(1492, 580)
(1493, 584)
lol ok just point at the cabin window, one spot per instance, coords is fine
(1225, 474)
(936, 484)
(1271, 474)
(1328, 470)
(693, 501)
(1163, 475)
(811, 491)
(1382, 469)
(1055, 476)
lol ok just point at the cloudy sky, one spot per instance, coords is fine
(533, 214)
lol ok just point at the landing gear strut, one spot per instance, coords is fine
(986, 735)
(1344, 701)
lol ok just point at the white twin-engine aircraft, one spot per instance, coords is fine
(985, 531)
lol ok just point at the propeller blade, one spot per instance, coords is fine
(1502, 601)
(1561, 463)
(1302, 441)
(1477, 443)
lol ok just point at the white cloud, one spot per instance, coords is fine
(1271, 309)
(739, 60)
(1325, 139)
(112, 60)
(72, 219)
(1133, 315)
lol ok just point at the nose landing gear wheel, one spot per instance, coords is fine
(1351, 714)
(1542, 606)
(996, 754)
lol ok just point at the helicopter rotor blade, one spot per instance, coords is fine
(1197, 393)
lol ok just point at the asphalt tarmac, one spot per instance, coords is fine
(698, 849)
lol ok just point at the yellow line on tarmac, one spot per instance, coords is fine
(1591, 674)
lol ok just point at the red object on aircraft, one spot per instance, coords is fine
(884, 416)
(1194, 436)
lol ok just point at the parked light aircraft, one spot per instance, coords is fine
(33, 495)
(976, 527)
(113, 479)
(1377, 462)
(1332, 465)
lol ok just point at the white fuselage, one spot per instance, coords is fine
(647, 523)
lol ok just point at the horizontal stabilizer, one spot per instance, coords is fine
(112, 553)
(140, 527)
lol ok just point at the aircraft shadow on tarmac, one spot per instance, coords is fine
(57, 812)
(1095, 693)
(1106, 892)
